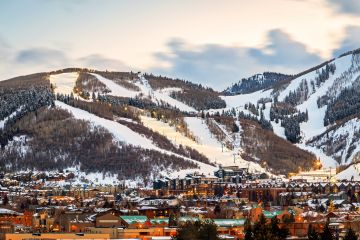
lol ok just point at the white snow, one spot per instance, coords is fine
(19, 143)
(346, 133)
(119, 131)
(2, 122)
(351, 173)
(203, 135)
(242, 99)
(145, 89)
(125, 134)
(116, 89)
(347, 70)
(4, 211)
(64, 83)
(326, 161)
(162, 95)
(207, 145)
(315, 125)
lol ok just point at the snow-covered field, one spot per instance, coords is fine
(116, 89)
(347, 134)
(64, 83)
(240, 100)
(162, 95)
(351, 173)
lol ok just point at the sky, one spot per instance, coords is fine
(212, 42)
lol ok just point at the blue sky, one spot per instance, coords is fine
(211, 42)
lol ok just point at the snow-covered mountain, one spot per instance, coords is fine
(137, 127)
(318, 110)
(255, 83)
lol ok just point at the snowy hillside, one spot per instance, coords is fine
(205, 144)
(277, 124)
(301, 109)
(124, 134)
(255, 83)
(64, 83)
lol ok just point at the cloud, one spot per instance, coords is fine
(350, 42)
(52, 58)
(219, 66)
(32, 60)
(346, 6)
(98, 61)
(283, 50)
(42, 56)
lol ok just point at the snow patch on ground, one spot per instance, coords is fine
(64, 83)
(351, 173)
(347, 135)
(3, 122)
(207, 145)
(326, 161)
(19, 143)
(163, 95)
(125, 134)
(119, 131)
(240, 100)
(116, 89)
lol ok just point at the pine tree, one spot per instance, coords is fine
(172, 220)
(326, 234)
(206, 230)
(280, 233)
(248, 234)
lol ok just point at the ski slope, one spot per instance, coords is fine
(207, 146)
(119, 131)
(346, 73)
(116, 89)
(240, 100)
(162, 95)
(203, 135)
(351, 173)
(64, 83)
(315, 125)
(125, 134)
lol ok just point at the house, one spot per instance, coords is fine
(230, 173)
(43, 221)
(159, 222)
(233, 227)
(7, 215)
(109, 219)
(135, 221)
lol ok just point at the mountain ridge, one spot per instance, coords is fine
(170, 118)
